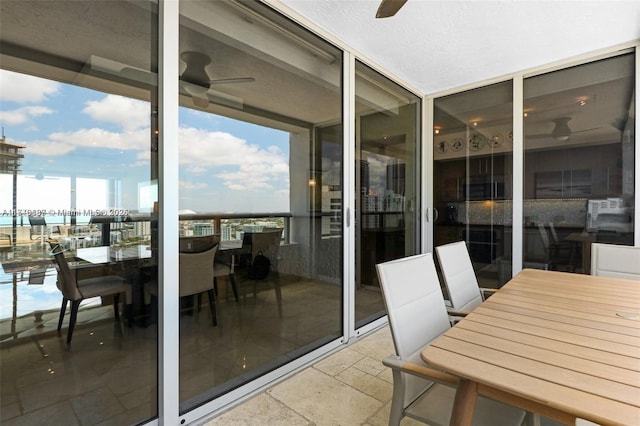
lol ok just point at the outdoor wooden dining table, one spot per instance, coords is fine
(562, 345)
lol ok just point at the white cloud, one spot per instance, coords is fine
(23, 115)
(25, 88)
(62, 143)
(128, 113)
(257, 168)
(184, 185)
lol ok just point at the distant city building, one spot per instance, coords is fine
(364, 177)
(267, 224)
(225, 233)
(201, 229)
(142, 228)
(396, 178)
(332, 202)
(386, 210)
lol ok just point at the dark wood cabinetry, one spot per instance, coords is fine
(473, 178)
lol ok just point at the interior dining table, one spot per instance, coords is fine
(565, 346)
(107, 254)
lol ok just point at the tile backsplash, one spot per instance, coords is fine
(562, 212)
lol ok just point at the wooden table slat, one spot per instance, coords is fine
(580, 404)
(569, 360)
(582, 352)
(551, 342)
(580, 299)
(532, 316)
(555, 334)
(611, 318)
(580, 304)
(544, 371)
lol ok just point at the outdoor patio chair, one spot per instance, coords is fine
(417, 315)
(617, 261)
(460, 280)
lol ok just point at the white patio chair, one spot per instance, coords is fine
(465, 294)
(417, 315)
(617, 261)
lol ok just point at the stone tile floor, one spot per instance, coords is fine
(349, 387)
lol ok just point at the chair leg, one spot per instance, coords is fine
(128, 314)
(276, 286)
(116, 310)
(72, 319)
(212, 306)
(396, 414)
(234, 287)
(63, 309)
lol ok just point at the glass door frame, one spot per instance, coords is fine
(430, 215)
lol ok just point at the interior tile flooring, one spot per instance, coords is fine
(108, 376)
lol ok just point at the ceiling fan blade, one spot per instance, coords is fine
(389, 8)
(232, 80)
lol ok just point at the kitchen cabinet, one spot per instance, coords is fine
(486, 166)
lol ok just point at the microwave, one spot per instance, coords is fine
(481, 188)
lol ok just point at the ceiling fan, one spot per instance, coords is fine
(389, 8)
(561, 130)
(196, 80)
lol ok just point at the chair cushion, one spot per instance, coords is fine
(103, 286)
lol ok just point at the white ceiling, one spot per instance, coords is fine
(435, 45)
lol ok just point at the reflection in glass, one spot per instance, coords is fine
(260, 177)
(388, 128)
(473, 145)
(579, 162)
(77, 141)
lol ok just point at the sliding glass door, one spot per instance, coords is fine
(579, 162)
(387, 170)
(260, 154)
(472, 169)
(78, 169)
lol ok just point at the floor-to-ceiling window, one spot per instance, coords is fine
(260, 154)
(77, 160)
(387, 170)
(579, 162)
(472, 169)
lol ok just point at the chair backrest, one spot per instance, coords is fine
(459, 276)
(67, 282)
(37, 221)
(414, 302)
(544, 236)
(554, 233)
(196, 264)
(267, 242)
(416, 311)
(618, 261)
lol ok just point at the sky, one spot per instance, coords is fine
(225, 165)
